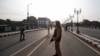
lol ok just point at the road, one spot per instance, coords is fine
(91, 32)
(11, 44)
(70, 45)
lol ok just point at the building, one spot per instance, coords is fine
(43, 22)
(30, 23)
(9, 26)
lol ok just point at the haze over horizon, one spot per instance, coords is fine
(53, 9)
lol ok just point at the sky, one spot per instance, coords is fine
(53, 9)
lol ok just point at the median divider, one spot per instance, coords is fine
(17, 32)
(90, 40)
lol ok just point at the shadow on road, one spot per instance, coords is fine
(11, 45)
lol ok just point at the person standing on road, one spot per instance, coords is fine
(22, 35)
(57, 38)
(66, 28)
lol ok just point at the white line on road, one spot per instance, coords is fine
(87, 45)
(36, 47)
(24, 47)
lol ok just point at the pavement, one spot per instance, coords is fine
(95, 33)
(12, 44)
(70, 45)
(17, 32)
(91, 36)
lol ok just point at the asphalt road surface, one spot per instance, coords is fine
(11, 44)
(91, 32)
(70, 45)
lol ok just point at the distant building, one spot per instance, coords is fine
(8, 25)
(30, 23)
(43, 22)
(15, 25)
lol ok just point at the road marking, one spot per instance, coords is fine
(36, 47)
(87, 45)
(24, 47)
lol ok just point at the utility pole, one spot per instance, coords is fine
(28, 15)
(77, 12)
(71, 17)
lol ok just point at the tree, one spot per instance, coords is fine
(32, 21)
(95, 24)
(8, 21)
(2, 21)
(86, 23)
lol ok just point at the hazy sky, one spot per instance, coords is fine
(53, 9)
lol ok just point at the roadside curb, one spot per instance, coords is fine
(89, 41)
(17, 32)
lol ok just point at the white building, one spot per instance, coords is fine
(43, 22)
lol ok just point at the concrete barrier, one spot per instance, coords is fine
(94, 42)
(17, 32)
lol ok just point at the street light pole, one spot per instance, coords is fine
(77, 12)
(28, 15)
(71, 17)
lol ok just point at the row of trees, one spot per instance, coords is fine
(32, 21)
(86, 23)
(90, 24)
(9, 25)
(9, 22)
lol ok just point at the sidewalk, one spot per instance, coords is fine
(16, 32)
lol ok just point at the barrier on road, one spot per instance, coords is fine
(17, 32)
(93, 41)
